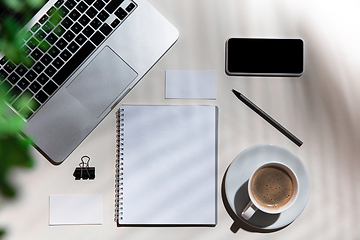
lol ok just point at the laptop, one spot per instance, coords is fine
(81, 66)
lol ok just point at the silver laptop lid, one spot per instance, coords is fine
(105, 47)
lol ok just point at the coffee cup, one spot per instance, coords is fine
(273, 187)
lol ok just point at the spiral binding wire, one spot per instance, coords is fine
(119, 165)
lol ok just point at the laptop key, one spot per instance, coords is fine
(52, 38)
(70, 4)
(22, 100)
(36, 54)
(25, 50)
(103, 15)
(63, 11)
(39, 67)
(82, 7)
(51, 11)
(113, 5)
(3, 75)
(23, 83)
(115, 23)
(105, 29)
(31, 75)
(88, 31)
(59, 30)
(92, 12)
(121, 13)
(69, 35)
(74, 15)
(9, 67)
(3, 61)
(58, 63)
(35, 87)
(44, 46)
(61, 44)
(34, 105)
(13, 78)
(48, 27)
(40, 35)
(73, 63)
(26, 112)
(46, 59)
(41, 96)
(84, 20)
(97, 38)
(55, 19)
(21, 70)
(65, 55)
(76, 28)
(50, 87)
(43, 19)
(42, 79)
(13, 94)
(32, 43)
(50, 71)
(35, 27)
(54, 51)
(96, 23)
(99, 4)
(6, 86)
(73, 47)
(130, 7)
(66, 22)
(80, 39)
(59, 3)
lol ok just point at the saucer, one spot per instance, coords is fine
(238, 174)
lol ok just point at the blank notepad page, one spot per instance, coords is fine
(168, 165)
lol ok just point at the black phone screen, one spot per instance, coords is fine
(264, 56)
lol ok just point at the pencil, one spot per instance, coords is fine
(269, 119)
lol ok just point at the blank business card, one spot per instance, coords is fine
(190, 84)
(75, 209)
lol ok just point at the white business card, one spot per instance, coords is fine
(190, 84)
(75, 209)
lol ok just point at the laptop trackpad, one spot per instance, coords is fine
(101, 82)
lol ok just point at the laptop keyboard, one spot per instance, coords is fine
(55, 46)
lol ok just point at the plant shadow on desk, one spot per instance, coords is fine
(259, 219)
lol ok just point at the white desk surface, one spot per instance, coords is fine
(321, 108)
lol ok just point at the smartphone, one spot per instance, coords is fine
(264, 57)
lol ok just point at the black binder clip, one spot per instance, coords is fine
(84, 171)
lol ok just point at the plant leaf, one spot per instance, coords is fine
(14, 4)
(14, 152)
(35, 3)
(2, 233)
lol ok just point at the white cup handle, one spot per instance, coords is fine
(249, 210)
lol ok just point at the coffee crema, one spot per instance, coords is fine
(272, 187)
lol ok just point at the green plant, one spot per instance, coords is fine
(14, 150)
(14, 15)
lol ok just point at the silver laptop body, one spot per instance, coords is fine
(97, 85)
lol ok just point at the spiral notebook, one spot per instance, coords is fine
(166, 171)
